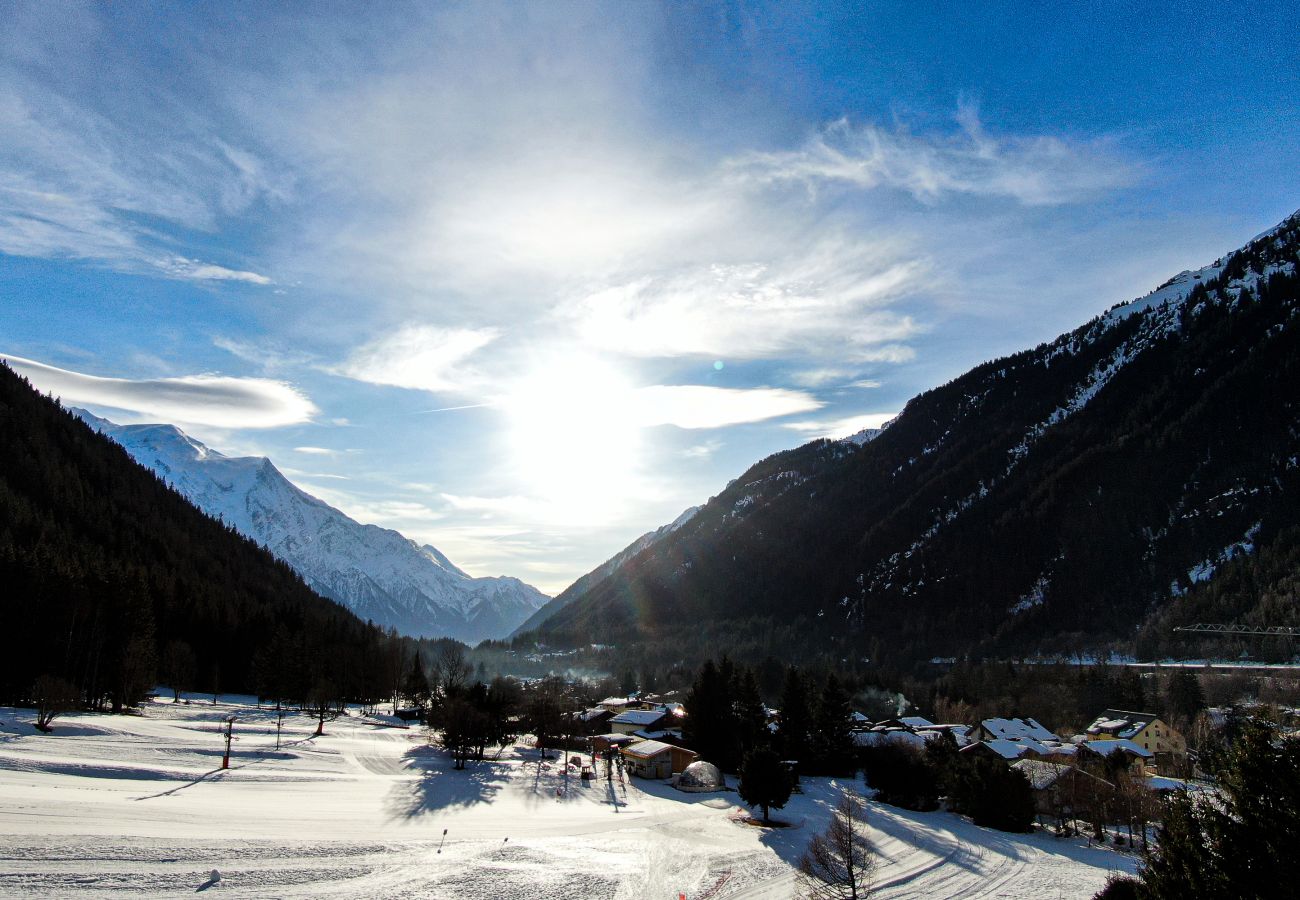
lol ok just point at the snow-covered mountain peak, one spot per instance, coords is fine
(378, 573)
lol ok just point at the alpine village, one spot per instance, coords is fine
(292, 296)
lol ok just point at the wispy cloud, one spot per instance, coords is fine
(215, 400)
(839, 428)
(699, 406)
(421, 357)
(79, 182)
(1035, 170)
(703, 450)
(827, 298)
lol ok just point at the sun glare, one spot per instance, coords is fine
(573, 437)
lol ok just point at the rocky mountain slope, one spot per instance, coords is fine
(377, 573)
(1056, 500)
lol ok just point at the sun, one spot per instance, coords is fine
(572, 436)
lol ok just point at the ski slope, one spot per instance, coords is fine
(120, 806)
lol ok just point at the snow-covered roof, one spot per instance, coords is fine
(1041, 774)
(876, 738)
(1121, 723)
(638, 717)
(1164, 783)
(647, 735)
(1106, 748)
(646, 749)
(615, 738)
(595, 712)
(1018, 729)
(916, 722)
(1009, 749)
(615, 701)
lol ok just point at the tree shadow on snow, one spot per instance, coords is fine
(440, 786)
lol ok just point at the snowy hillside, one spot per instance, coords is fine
(1068, 496)
(376, 572)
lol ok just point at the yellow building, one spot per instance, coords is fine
(1147, 731)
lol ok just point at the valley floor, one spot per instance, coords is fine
(138, 806)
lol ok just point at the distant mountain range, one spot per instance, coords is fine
(376, 572)
(1137, 472)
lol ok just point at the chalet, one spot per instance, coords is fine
(1112, 754)
(633, 720)
(655, 759)
(1061, 790)
(1144, 729)
(616, 704)
(1024, 748)
(594, 720)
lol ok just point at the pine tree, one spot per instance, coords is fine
(794, 729)
(1240, 842)
(415, 687)
(710, 728)
(833, 730)
(750, 715)
(1183, 699)
(765, 781)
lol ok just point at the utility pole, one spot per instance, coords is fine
(230, 727)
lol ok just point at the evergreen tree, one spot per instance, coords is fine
(709, 728)
(1183, 699)
(1239, 842)
(765, 781)
(833, 730)
(415, 687)
(794, 727)
(750, 715)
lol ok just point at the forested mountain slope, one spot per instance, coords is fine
(104, 568)
(1056, 500)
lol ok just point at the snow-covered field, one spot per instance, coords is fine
(137, 805)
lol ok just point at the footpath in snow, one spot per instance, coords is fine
(139, 806)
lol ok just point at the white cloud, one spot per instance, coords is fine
(699, 406)
(704, 450)
(420, 357)
(214, 400)
(316, 451)
(180, 267)
(1035, 170)
(78, 183)
(866, 384)
(826, 299)
(839, 428)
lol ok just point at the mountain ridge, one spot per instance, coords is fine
(376, 572)
(997, 511)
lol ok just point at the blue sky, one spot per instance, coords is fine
(525, 281)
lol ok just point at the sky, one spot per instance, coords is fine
(525, 281)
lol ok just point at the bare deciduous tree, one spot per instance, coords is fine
(52, 695)
(838, 863)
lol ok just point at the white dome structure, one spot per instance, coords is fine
(700, 777)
